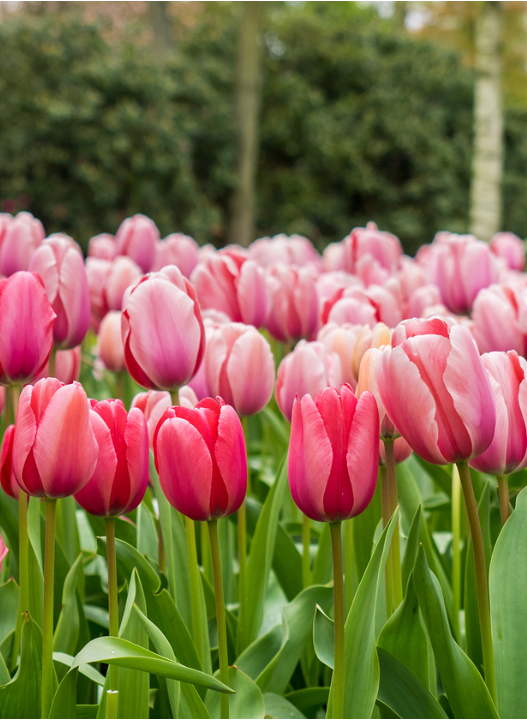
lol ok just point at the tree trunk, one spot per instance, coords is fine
(247, 109)
(485, 211)
(159, 20)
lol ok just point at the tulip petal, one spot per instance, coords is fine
(26, 430)
(362, 452)
(231, 457)
(75, 298)
(137, 456)
(250, 370)
(95, 495)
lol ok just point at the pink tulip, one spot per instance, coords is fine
(5, 221)
(435, 390)
(119, 482)
(349, 305)
(54, 450)
(342, 339)
(201, 459)
(333, 454)
(228, 282)
(212, 319)
(123, 273)
(22, 237)
(61, 268)
(293, 250)
(401, 451)
(500, 320)
(3, 551)
(163, 333)
(26, 328)
(411, 276)
(153, 405)
(421, 299)
(102, 246)
(293, 303)
(507, 452)
(7, 475)
(179, 250)
(187, 397)
(368, 383)
(508, 246)
(67, 366)
(60, 237)
(136, 238)
(333, 257)
(111, 350)
(97, 271)
(308, 369)
(239, 366)
(382, 247)
(368, 338)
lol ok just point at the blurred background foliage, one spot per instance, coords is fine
(363, 117)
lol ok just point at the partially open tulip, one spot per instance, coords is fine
(136, 238)
(179, 250)
(102, 246)
(54, 450)
(62, 270)
(67, 366)
(239, 366)
(508, 246)
(333, 454)
(201, 459)
(23, 235)
(7, 474)
(293, 303)
(119, 482)
(436, 391)
(3, 551)
(26, 328)
(308, 369)
(152, 404)
(111, 350)
(163, 333)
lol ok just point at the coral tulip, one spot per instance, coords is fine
(7, 474)
(201, 459)
(23, 235)
(136, 238)
(111, 350)
(152, 404)
(293, 303)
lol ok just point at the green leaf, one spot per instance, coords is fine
(35, 567)
(9, 597)
(322, 567)
(21, 698)
(364, 526)
(508, 591)
(434, 561)
(287, 564)
(86, 670)
(309, 700)
(412, 547)
(440, 474)
(9, 524)
(129, 558)
(403, 692)
(66, 529)
(324, 637)
(247, 703)
(68, 627)
(466, 691)
(146, 533)
(278, 707)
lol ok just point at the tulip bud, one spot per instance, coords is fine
(7, 475)
(153, 405)
(333, 454)
(111, 350)
(201, 459)
(23, 235)
(119, 482)
(54, 450)
(137, 237)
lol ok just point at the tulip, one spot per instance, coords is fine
(102, 246)
(111, 350)
(401, 451)
(239, 366)
(119, 482)
(187, 397)
(163, 333)
(349, 306)
(7, 475)
(500, 320)
(123, 273)
(61, 268)
(22, 237)
(368, 338)
(67, 367)
(308, 369)
(3, 551)
(342, 339)
(153, 405)
(97, 271)
(382, 247)
(293, 303)
(212, 319)
(421, 299)
(136, 238)
(293, 250)
(508, 246)
(26, 328)
(179, 250)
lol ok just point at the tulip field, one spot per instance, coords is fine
(262, 482)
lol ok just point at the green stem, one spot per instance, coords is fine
(161, 555)
(220, 615)
(6, 415)
(15, 395)
(242, 561)
(395, 550)
(306, 544)
(194, 585)
(388, 573)
(206, 560)
(113, 603)
(52, 358)
(503, 492)
(456, 551)
(47, 633)
(481, 577)
(12, 394)
(245, 426)
(112, 700)
(349, 564)
(338, 601)
(119, 386)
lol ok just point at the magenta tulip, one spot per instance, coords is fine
(102, 246)
(333, 454)
(23, 235)
(436, 392)
(201, 459)
(7, 474)
(61, 268)
(153, 405)
(510, 248)
(163, 333)
(119, 482)
(111, 350)
(54, 450)
(136, 238)
(239, 366)
(179, 250)
(293, 303)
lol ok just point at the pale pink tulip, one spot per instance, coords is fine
(500, 320)
(123, 273)
(102, 246)
(187, 397)
(152, 404)
(508, 246)
(179, 250)
(67, 366)
(136, 238)
(383, 247)
(23, 235)
(342, 339)
(111, 349)
(293, 303)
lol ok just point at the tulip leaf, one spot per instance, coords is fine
(403, 692)
(440, 474)
(324, 638)
(86, 670)
(508, 591)
(129, 558)
(66, 529)
(35, 566)
(68, 627)
(21, 697)
(146, 533)
(364, 526)
(277, 706)
(465, 689)
(9, 598)
(308, 700)
(322, 567)
(247, 703)
(412, 547)
(9, 524)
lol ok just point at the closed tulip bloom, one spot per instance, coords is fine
(293, 303)
(119, 482)
(62, 270)
(22, 237)
(67, 366)
(179, 250)
(510, 248)
(97, 270)
(54, 451)
(163, 333)
(507, 452)
(7, 474)
(136, 238)
(26, 328)
(342, 339)
(123, 273)
(102, 246)
(153, 405)
(333, 454)
(239, 366)
(187, 397)
(111, 350)
(500, 320)
(212, 319)
(3, 551)
(436, 391)
(308, 369)
(201, 459)
(293, 250)
(382, 247)
(421, 299)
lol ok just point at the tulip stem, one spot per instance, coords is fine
(47, 633)
(349, 563)
(242, 562)
(503, 492)
(338, 602)
(220, 615)
(306, 559)
(194, 586)
(52, 357)
(395, 550)
(23, 573)
(388, 574)
(456, 552)
(112, 699)
(113, 604)
(481, 577)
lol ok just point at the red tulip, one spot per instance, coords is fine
(54, 450)
(153, 405)
(333, 454)
(179, 250)
(7, 475)
(23, 235)
(293, 303)
(111, 350)
(201, 459)
(119, 482)
(137, 237)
